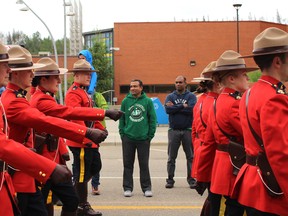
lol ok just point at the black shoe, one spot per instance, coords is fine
(86, 210)
(192, 183)
(169, 185)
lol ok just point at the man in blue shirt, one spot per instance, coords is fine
(179, 106)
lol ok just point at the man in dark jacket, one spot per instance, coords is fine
(179, 106)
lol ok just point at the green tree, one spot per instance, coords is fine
(102, 64)
(254, 76)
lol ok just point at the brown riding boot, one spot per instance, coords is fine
(50, 209)
(84, 207)
(63, 213)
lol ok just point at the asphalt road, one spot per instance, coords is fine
(178, 201)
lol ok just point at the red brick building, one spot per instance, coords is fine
(157, 52)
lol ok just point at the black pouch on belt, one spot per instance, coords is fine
(237, 155)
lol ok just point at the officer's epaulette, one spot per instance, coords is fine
(81, 86)
(48, 93)
(20, 93)
(236, 95)
(280, 88)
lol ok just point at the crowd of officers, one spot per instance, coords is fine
(239, 133)
(34, 135)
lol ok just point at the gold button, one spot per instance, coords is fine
(43, 175)
(40, 173)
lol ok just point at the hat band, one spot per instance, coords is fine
(29, 64)
(82, 68)
(44, 72)
(4, 56)
(231, 66)
(270, 49)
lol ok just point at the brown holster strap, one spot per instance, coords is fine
(223, 147)
(2, 168)
(251, 160)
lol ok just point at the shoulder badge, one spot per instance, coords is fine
(280, 88)
(20, 93)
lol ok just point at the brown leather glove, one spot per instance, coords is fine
(96, 135)
(114, 114)
(61, 174)
(65, 156)
(201, 187)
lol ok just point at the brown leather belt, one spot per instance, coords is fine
(223, 147)
(2, 168)
(251, 160)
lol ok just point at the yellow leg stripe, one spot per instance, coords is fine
(82, 166)
(49, 198)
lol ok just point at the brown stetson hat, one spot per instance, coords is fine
(25, 63)
(82, 66)
(4, 57)
(50, 68)
(206, 73)
(231, 60)
(270, 41)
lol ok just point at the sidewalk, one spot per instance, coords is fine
(160, 138)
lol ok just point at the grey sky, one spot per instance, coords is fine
(101, 14)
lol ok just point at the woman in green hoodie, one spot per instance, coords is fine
(137, 128)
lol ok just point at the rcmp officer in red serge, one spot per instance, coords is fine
(78, 98)
(263, 113)
(22, 118)
(200, 122)
(47, 79)
(224, 128)
(18, 156)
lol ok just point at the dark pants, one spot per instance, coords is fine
(175, 139)
(65, 192)
(95, 180)
(32, 204)
(129, 148)
(255, 212)
(215, 203)
(90, 158)
(233, 207)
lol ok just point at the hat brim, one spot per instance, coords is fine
(81, 70)
(47, 73)
(199, 79)
(34, 66)
(10, 59)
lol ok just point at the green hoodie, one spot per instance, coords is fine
(139, 120)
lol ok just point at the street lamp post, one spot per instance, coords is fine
(52, 39)
(65, 43)
(237, 7)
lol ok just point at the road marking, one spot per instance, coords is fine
(140, 207)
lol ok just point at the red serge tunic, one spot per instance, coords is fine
(215, 165)
(22, 118)
(17, 155)
(268, 115)
(77, 97)
(46, 103)
(201, 110)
